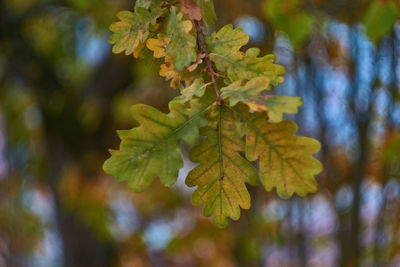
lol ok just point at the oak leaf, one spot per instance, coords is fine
(168, 71)
(250, 94)
(159, 45)
(286, 161)
(197, 88)
(222, 172)
(227, 40)
(208, 11)
(248, 65)
(153, 149)
(191, 9)
(132, 29)
(182, 44)
(224, 47)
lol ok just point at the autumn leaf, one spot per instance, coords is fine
(208, 11)
(248, 65)
(286, 161)
(247, 93)
(159, 45)
(168, 71)
(191, 9)
(250, 94)
(222, 173)
(148, 4)
(228, 125)
(199, 60)
(178, 79)
(143, 3)
(226, 41)
(138, 50)
(182, 44)
(276, 105)
(224, 51)
(132, 29)
(197, 88)
(153, 149)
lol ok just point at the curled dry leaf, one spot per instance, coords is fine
(199, 60)
(191, 9)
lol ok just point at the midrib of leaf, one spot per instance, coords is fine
(221, 163)
(230, 180)
(283, 157)
(246, 67)
(222, 175)
(222, 43)
(141, 177)
(221, 154)
(158, 122)
(237, 63)
(165, 138)
(224, 56)
(167, 158)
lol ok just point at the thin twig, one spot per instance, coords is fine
(213, 74)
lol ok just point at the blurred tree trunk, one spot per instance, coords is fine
(357, 180)
(80, 246)
(79, 243)
(379, 224)
(363, 119)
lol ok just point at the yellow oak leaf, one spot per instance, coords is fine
(136, 52)
(158, 45)
(168, 71)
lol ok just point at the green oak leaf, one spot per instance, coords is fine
(222, 172)
(285, 160)
(142, 3)
(132, 29)
(224, 52)
(208, 11)
(148, 3)
(250, 94)
(153, 148)
(183, 44)
(224, 47)
(276, 105)
(197, 88)
(226, 41)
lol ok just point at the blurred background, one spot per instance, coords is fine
(63, 95)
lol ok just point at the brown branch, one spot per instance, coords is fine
(202, 43)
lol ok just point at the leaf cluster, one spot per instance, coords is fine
(224, 112)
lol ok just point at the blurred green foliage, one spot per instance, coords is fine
(380, 19)
(289, 17)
